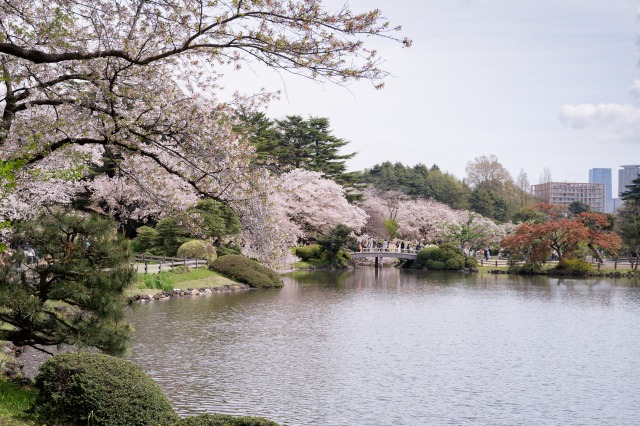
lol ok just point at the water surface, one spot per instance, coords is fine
(403, 348)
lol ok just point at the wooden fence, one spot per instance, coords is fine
(146, 263)
(614, 264)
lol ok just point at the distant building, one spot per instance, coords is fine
(625, 176)
(604, 176)
(564, 193)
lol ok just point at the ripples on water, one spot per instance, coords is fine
(402, 348)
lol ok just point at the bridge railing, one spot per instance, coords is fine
(382, 250)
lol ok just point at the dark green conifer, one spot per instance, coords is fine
(74, 293)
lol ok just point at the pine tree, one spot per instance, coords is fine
(75, 293)
(632, 194)
(628, 223)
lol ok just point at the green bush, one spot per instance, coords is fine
(339, 260)
(449, 251)
(197, 249)
(435, 265)
(426, 254)
(446, 256)
(312, 251)
(573, 267)
(224, 420)
(97, 389)
(470, 262)
(245, 270)
(454, 263)
(527, 268)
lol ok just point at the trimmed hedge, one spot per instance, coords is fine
(197, 249)
(247, 271)
(224, 420)
(98, 389)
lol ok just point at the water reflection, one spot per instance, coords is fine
(402, 347)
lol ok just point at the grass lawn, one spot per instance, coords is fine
(14, 401)
(195, 278)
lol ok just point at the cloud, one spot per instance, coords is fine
(612, 122)
(635, 89)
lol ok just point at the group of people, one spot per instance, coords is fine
(410, 246)
(386, 245)
(475, 252)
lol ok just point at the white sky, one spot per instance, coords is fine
(546, 83)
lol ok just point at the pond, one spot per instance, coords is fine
(404, 348)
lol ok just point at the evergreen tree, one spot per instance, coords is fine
(309, 144)
(261, 131)
(418, 182)
(296, 143)
(628, 223)
(218, 219)
(632, 194)
(576, 207)
(628, 227)
(482, 202)
(338, 239)
(75, 293)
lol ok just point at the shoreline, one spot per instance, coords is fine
(179, 293)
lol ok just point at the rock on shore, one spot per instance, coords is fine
(177, 293)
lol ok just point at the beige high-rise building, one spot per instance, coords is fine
(565, 193)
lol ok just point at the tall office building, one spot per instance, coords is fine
(564, 193)
(625, 176)
(603, 176)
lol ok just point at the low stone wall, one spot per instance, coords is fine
(175, 294)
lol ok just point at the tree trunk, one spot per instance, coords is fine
(595, 253)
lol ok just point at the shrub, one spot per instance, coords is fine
(341, 259)
(446, 256)
(449, 251)
(308, 252)
(527, 268)
(454, 263)
(224, 420)
(98, 389)
(245, 270)
(197, 249)
(426, 254)
(573, 267)
(470, 262)
(435, 265)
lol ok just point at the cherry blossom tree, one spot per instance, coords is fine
(136, 82)
(317, 205)
(426, 220)
(419, 219)
(430, 221)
